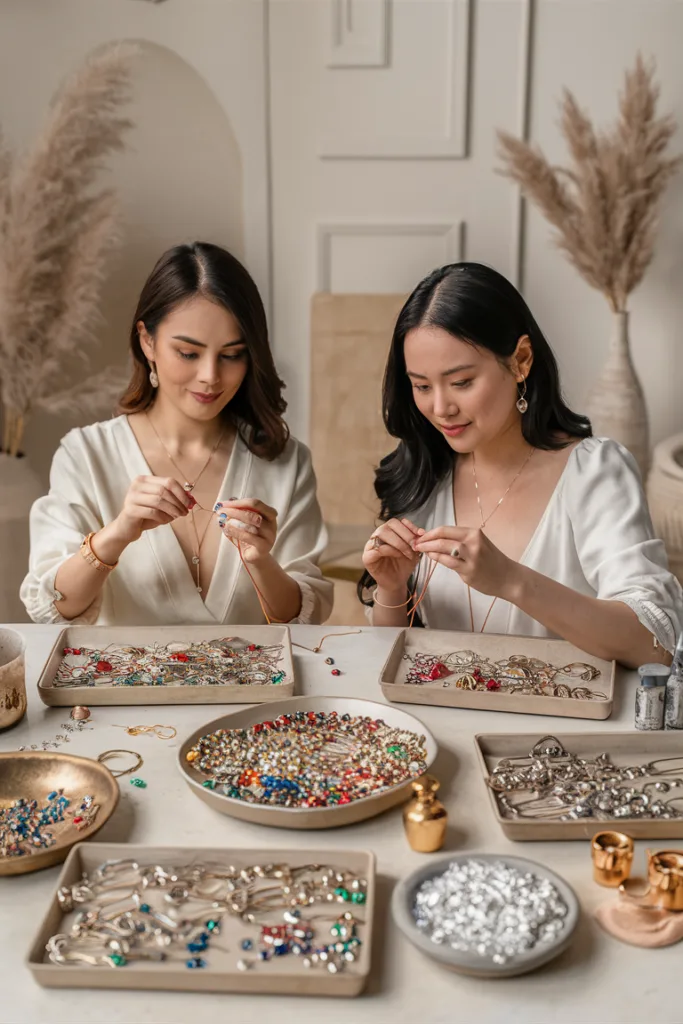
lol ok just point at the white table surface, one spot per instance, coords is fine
(597, 980)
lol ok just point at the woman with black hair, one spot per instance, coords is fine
(529, 524)
(134, 529)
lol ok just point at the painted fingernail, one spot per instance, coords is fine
(219, 504)
(222, 517)
(232, 499)
(191, 502)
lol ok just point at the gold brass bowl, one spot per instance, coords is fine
(32, 775)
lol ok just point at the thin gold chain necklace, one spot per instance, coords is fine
(189, 487)
(484, 521)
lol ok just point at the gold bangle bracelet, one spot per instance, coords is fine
(91, 558)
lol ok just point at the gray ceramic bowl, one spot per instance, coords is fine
(471, 963)
(299, 817)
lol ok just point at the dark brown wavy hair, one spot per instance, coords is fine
(201, 268)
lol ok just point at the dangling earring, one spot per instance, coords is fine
(153, 379)
(522, 403)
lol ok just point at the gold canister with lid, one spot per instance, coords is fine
(425, 817)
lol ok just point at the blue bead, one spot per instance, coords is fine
(247, 944)
(145, 908)
(263, 954)
(196, 961)
(52, 795)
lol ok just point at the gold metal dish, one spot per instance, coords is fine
(35, 774)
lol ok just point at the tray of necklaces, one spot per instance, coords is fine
(494, 672)
(572, 785)
(290, 922)
(123, 665)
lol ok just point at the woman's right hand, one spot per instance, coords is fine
(151, 501)
(389, 556)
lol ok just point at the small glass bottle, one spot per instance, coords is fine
(673, 713)
(650, 697)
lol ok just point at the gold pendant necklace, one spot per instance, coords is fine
(189, 487)
(484, 521)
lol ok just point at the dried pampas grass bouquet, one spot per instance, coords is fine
(604, 207)
(56, 230)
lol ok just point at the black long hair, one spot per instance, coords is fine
(201, 268)
(478, 305)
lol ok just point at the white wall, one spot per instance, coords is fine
(350, 145)
(374, 184)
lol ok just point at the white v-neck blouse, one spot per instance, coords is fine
(153, 585)
(595, 536)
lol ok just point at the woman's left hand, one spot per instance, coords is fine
(252, 523)
(471, 554)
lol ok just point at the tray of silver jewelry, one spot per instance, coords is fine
(572, 785)
(289, 922)
(492, 672)
(126, 665)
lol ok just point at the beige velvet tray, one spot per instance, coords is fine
(299, 817)
(284, 975)
(101, 636)
(624, 748)
(494, 647)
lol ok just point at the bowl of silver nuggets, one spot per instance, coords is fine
(486, 915)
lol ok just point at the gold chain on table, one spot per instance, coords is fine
(189, 487)
(484, 521)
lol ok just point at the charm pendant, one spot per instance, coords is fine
(199, 590)
(195, 559)
(187, 486)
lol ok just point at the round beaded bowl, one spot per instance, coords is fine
(304, 817)
(38, 775)
(471, 963)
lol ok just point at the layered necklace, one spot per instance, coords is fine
(484, 521)
(189, 486)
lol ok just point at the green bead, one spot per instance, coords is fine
(209, 784)
(118, 960)
(358, 897)
(212, 925)
(341, 891)
(140, 783)
(335, 930)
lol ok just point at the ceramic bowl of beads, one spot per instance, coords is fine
(486, 915)
(48, 802)
(308, 762)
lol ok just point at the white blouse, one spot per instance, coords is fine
(595, 536)
(91, 472)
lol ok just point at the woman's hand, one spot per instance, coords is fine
(252, 523)
(389, 556)
(151, 501)
(471, 554)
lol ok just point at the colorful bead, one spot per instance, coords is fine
(140, 783)
(195, 962)
(336, 672)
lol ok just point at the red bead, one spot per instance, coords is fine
(492, 685)
(76, 650)
(251, 647)
(78, 820)
(103, 666)
(336, 672)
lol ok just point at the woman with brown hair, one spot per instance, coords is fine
(135, 527)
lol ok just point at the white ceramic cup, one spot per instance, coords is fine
(12, 678)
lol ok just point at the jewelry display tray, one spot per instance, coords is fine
(99, 637)
(494, 646)
(624, 748)
(284, 975)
